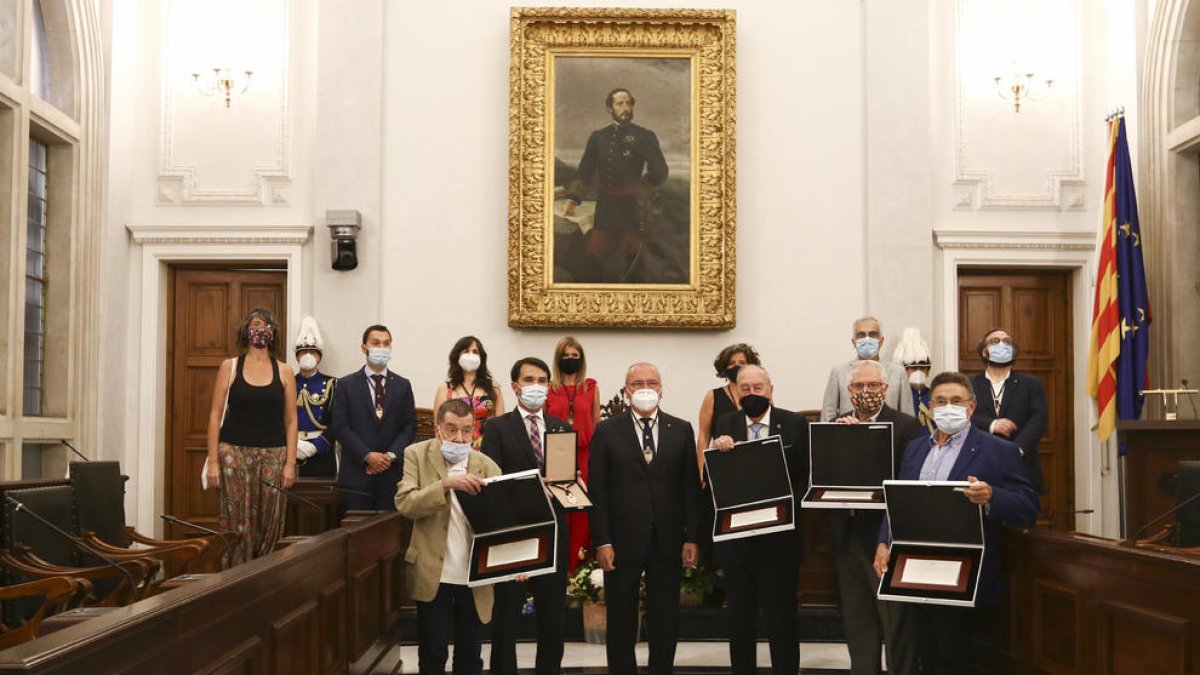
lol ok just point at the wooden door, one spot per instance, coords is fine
(205, 308)
(1034, 306)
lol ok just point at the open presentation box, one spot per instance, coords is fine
(513, 530)
(751, 489)
(848, 464)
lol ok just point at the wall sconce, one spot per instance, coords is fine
(222, 81)
(1022, 87)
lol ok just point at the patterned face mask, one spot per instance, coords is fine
(867, 402)
(261, 337)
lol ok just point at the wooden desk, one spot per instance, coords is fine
(1090, 606)
(298, 610)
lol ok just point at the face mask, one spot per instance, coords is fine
(469, 362)
(866, 402)
(867, 348)
(455, 452)
(533, 396)
(644, 400)
(260, 337)
(308, 362)
(569, 365)
(1000, 353)
(731, 373)
(379, 356)
(950, 419)
(754, 405)
(917, 379)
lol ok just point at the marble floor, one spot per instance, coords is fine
(690, 657)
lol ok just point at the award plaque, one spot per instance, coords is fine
(561, 470)
(848, 464)
(937, 543)
(513, 530)
(751, 489)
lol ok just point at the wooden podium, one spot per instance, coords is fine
(1155, 449)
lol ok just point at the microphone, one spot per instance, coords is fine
(201, 528)
(293, 495)
(348, 491)
(19, 507)
(81, 455)
(1067, 512)
(1132, 541)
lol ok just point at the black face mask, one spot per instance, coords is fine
(731, 373)
(754, 405)
(570, 366)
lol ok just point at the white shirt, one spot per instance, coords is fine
(766, 426)
(457, 561)
(637, 427)
(997, 393)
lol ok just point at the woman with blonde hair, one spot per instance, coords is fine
(574, 397)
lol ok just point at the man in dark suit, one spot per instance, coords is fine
(760, 572)
(376, 421)
(645, 489)
(1012, 405)
(854, 533)
(516, 442)
(958, 451)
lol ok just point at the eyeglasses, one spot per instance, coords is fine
(643, 384)
(957, 400)
(869, 386)
(998, 340)
(871, 334)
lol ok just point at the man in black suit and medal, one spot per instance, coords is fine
(761, 572)
(516, 442)
(869, 621)
(1011, 405)
(645, 490)
(376, 421)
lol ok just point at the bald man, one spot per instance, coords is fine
(645, 488)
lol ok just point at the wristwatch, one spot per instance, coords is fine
(390, 455)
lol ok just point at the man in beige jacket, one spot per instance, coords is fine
(438, 557)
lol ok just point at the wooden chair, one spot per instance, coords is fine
(56, 594)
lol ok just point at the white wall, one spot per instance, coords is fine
(846, 142)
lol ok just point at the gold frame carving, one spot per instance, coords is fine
(707, 37)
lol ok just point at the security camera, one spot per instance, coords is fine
(343, 231)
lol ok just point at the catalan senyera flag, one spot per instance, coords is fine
(1120, 342)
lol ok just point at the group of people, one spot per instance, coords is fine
(644, 472)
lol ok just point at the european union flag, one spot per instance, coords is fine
(1132, 301)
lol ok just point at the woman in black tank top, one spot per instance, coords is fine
(252, 438)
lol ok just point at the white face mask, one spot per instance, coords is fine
(308, 361)
(469, 362)
(951, 419)
(917, 378)
(455, 452)
(644, 400)
(379, 356)
(533, 396)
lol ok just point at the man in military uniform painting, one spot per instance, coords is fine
(626, 165)
(314, 406)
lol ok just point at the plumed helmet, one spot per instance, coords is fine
(912, 350)
(309, 336)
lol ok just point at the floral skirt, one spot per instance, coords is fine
(249, 507)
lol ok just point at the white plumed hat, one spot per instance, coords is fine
(309, 336)
(912, 350)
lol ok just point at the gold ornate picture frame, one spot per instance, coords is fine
(622, 181)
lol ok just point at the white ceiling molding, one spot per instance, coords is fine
(220, 234)
(210, 154)
(993, 144)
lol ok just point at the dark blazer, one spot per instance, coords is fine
(1014, 502)
(506, 441)
(630, 497)
(1024, 403)
(359, 431)
(862, 528)
(793, 429)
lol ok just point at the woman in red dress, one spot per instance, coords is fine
(574, 397)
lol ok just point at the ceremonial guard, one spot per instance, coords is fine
(913, 354)
(314, 406)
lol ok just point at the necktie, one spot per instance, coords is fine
(535, 439)
(756, 431)
(648, 450)
(378, 394)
